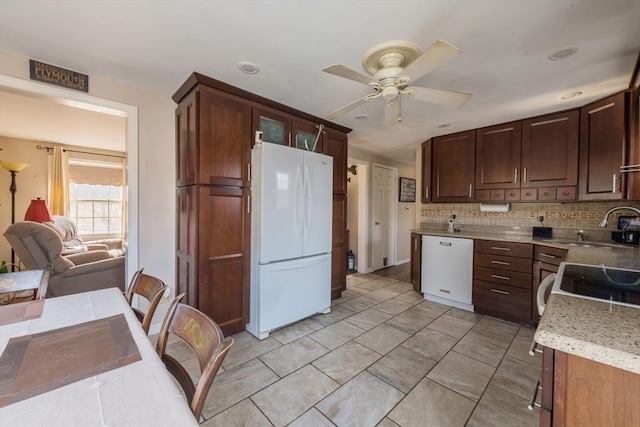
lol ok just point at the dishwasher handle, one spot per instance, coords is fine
(541, 290)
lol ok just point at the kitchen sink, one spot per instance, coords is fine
(589, 244)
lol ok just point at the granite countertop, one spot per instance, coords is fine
(599, 331)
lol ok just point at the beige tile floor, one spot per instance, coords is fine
(382, 357)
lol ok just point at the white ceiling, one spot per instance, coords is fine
(56, 121)
(505, 44)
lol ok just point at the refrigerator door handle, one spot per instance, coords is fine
(298, 215)
(307, 203)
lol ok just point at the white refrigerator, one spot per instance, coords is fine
(291, 206)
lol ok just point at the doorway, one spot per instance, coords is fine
(130, 112)
(384, 216)
(357, 218)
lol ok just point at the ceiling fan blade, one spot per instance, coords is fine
(392, 112)
(437, 54)
(436, 96)
(340, 111)
(342, 71)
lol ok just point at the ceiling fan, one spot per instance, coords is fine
(393, 66)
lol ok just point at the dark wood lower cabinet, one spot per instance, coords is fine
(578, 392)
(214, 271)
(416, 262)
(339, 246)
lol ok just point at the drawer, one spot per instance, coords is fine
(483, 195)
(508, 300)
(510, 278)
(566, 193)
(528, 194)
(520, 265)
(520, 250)
(497, 195)
(546, 194)
(512, 195)
(549, 255)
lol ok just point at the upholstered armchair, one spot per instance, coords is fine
(72, 243)
(38, 245)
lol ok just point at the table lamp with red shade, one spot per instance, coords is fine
(38, 211)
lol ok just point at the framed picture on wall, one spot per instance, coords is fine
(407, 190)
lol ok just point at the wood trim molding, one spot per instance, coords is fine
(196, 78)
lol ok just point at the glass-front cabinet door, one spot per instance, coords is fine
(305, 135)
(275, 129)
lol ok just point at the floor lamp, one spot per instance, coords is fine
(14, 168)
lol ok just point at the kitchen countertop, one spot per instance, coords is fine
(599, 331)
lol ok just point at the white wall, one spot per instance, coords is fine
(406, 219)
(156, 168)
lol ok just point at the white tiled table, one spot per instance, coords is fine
(142, 393)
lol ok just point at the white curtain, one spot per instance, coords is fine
(59, 197)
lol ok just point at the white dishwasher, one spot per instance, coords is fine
(447, 271)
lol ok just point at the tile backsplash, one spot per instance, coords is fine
(565, 218)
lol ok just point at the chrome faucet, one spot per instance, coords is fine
(581, 235)
(605, 218)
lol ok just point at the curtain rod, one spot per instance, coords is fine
(66, 150)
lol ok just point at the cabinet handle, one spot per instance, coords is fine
(534, 348)
(445, 291)
(524, 178)
(548, 256)
(630, 168)
(500, 262)
(426, 192)
(615, 178)
(249, 204)
(515, 176)
(498, 291)
(470, 189)
(415, 244)
(289, 139)
(498, 248)
(532, 402)
(248, 171)
(496, 276)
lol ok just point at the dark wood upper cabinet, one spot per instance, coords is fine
(550, 150)
(602, 149)
(426, 191)
(224, 134)
(498, 156)
(453, 165)
(336, 147)
(275, 127)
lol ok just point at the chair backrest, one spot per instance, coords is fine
(44, 282)
(150, 288)
(37, 245)
(205, 338)
(67, 231)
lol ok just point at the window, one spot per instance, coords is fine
(96, 209)
(96, 197)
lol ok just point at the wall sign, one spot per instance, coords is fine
(407, 190)
(58, 76)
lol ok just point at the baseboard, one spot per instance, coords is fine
(403, 261)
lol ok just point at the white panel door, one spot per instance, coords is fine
(280, 221)
(384, 205)
(317, 206)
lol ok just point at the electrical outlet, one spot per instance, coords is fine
(542, 214)
(541, 218)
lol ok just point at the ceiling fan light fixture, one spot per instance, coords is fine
(248, 67)
(390, 92)
(561, 54)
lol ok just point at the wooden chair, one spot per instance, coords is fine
(205, 338)
(150, 288)
(44, 282)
